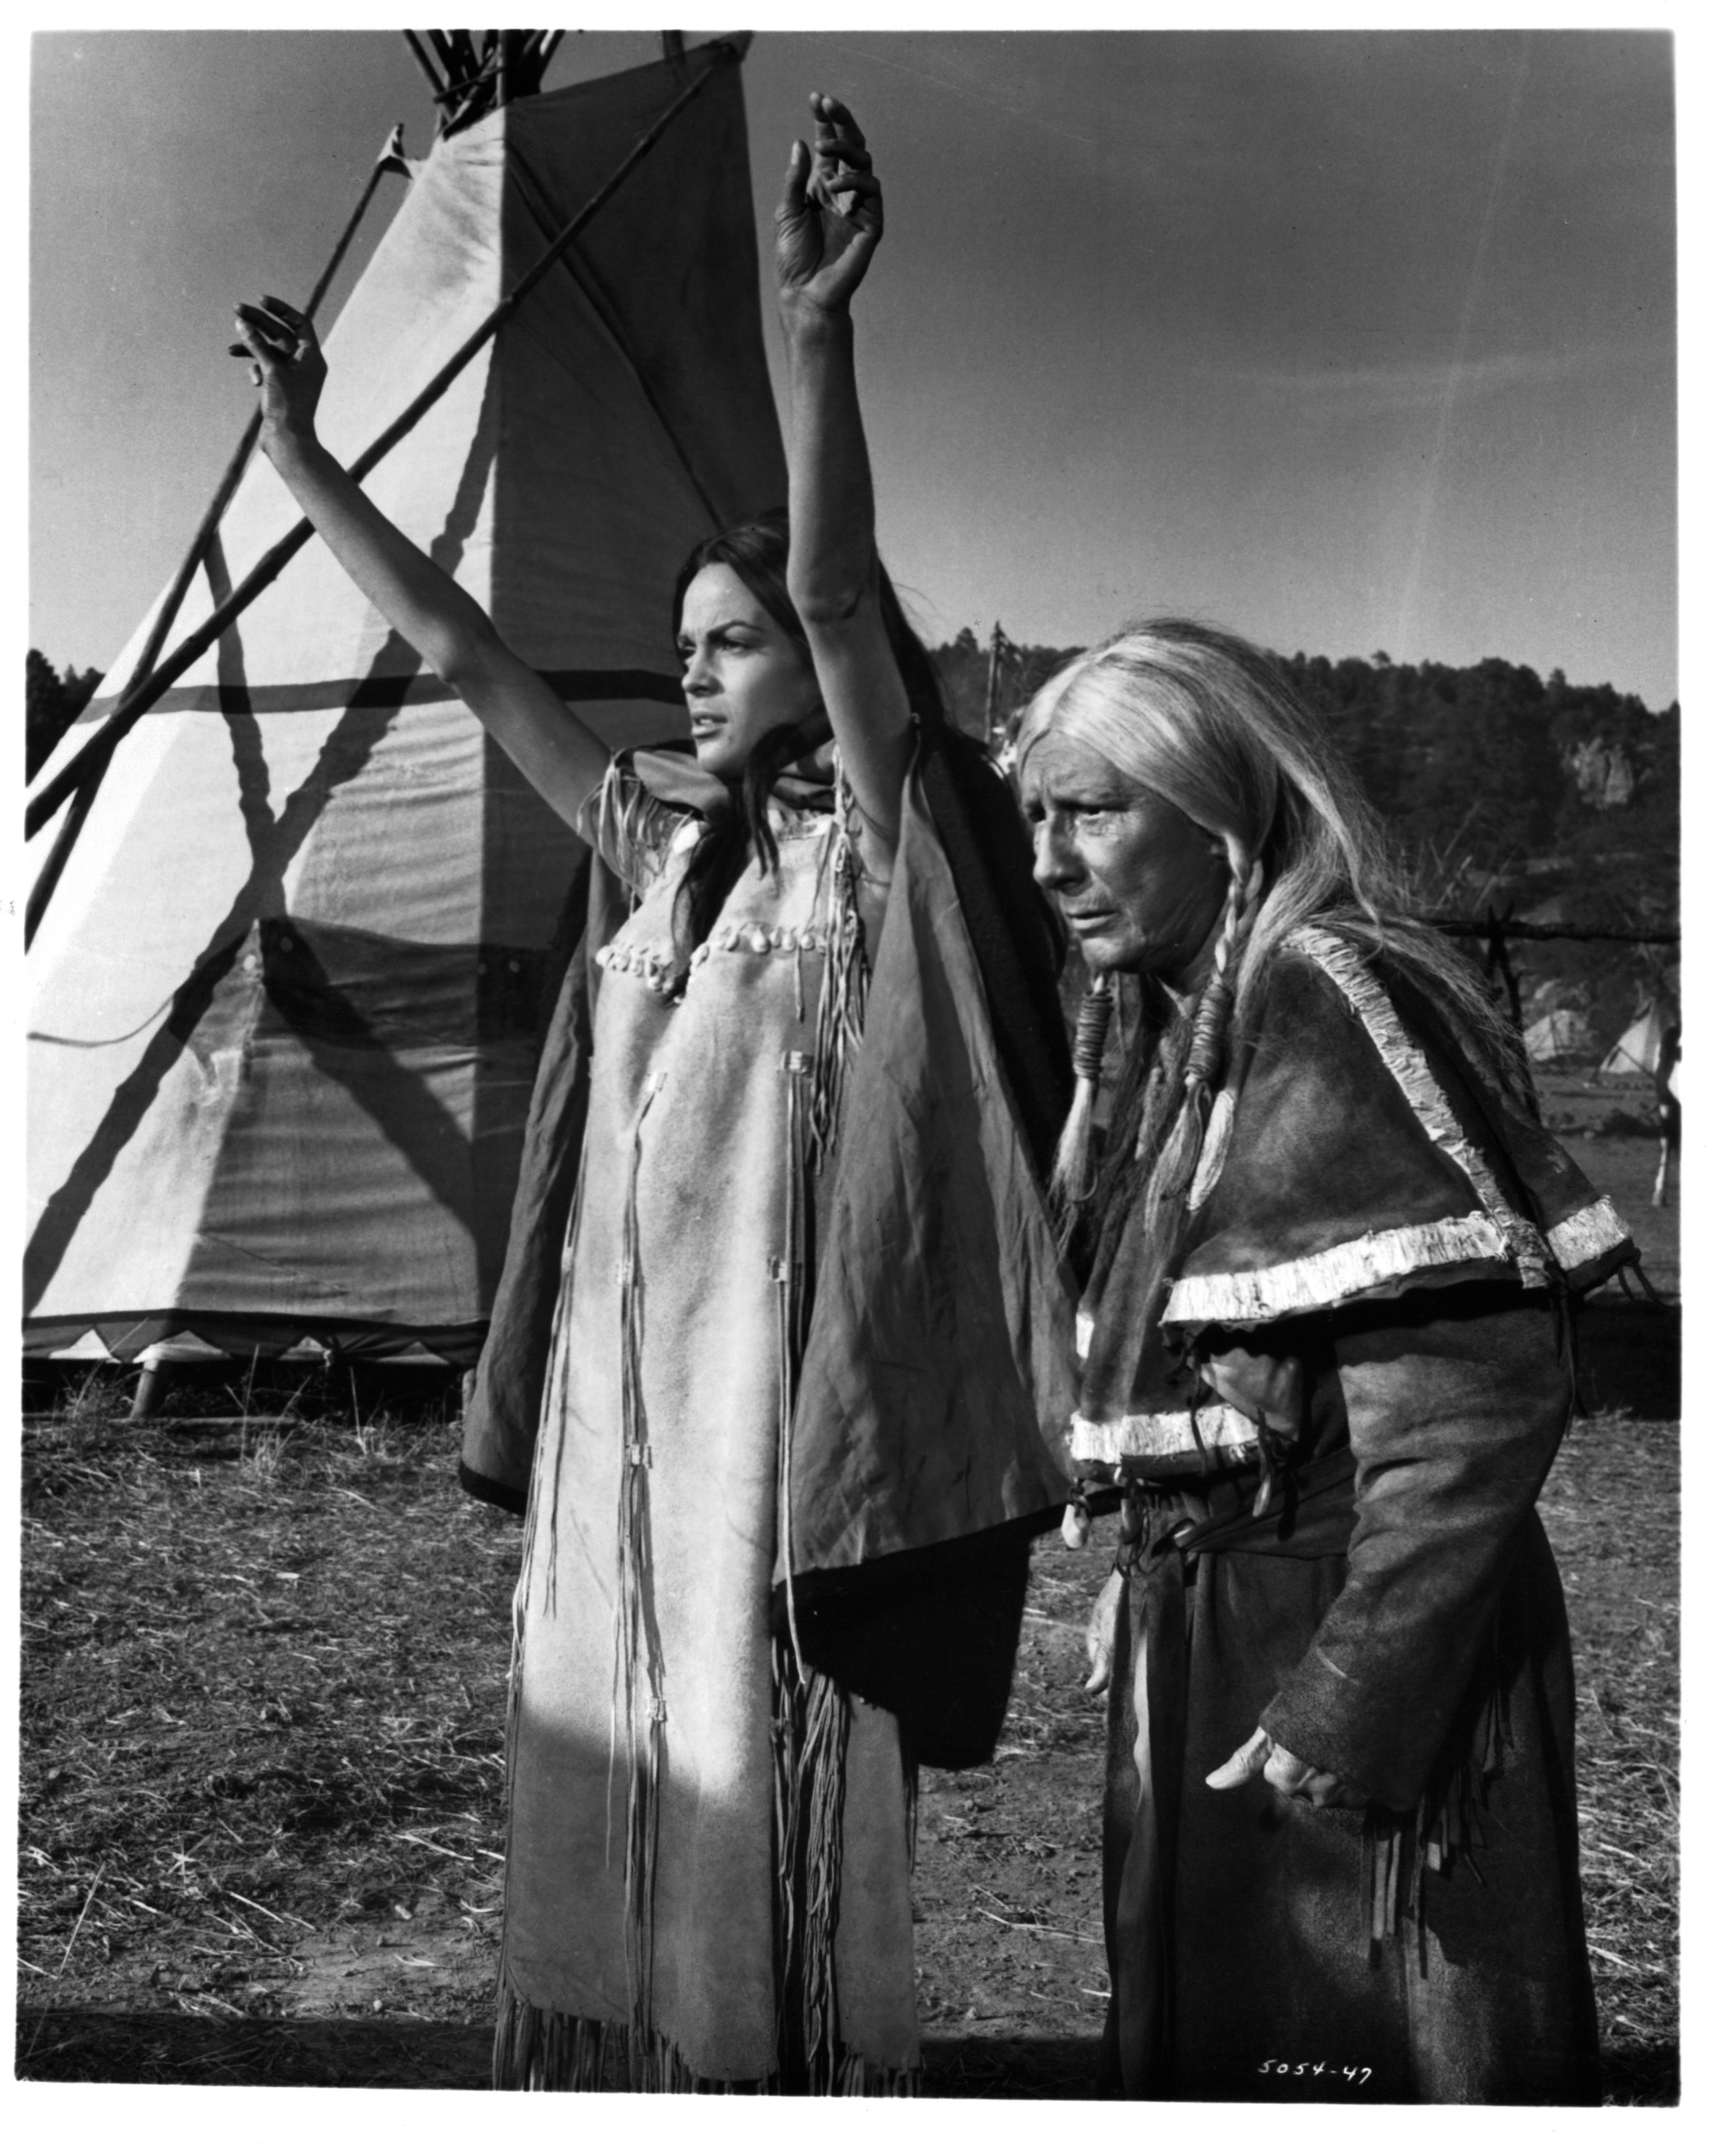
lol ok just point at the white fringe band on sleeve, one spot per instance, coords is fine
(1224, 1432)
(1379, 1260)
(1588, 1235)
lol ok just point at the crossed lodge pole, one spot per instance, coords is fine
(93, 756)
(392, 159)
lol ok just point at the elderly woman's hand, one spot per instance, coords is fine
(830, 219)
(1100, 1637)
(1290, 1776)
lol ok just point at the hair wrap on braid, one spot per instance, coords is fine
(1171, 1172)
(1160, 1122)
(1213, 1010)
(1069, 1188)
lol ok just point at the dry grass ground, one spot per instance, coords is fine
(263, 1711)
(263, 1677)
(264, 1673)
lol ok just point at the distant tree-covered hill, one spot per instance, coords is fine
(965, 666)
(1503, 788)
(1541, 800)
(51, 701)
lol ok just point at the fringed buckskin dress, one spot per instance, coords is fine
(709, 1846)
(1330, 1441)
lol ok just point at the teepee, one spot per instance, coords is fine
(285, 996)
(1557, 1037)
(1635, 1053)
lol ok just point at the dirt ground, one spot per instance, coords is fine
(262, 1700)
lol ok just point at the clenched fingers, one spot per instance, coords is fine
(1289, 1775)
(828, 188)
(264, 335)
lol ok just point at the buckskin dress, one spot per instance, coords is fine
(1329, 1446)
(709, 1845)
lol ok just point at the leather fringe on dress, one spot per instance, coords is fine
(538, 2047)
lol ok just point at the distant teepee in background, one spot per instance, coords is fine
(1636, 1052)
(286, 989)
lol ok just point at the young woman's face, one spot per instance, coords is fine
(743, 676)
(1142, 886)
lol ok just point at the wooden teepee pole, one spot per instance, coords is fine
(995, 648)
(133, 706)
(391, 160)
(420, 55)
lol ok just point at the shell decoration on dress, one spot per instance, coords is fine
(655, 966)
(812, 1715)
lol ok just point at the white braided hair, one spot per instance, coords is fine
(1207, 721)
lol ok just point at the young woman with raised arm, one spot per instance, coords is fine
(789, 1445)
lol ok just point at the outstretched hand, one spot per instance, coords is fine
(1290, 1776)
(830, 217)
(285, 364)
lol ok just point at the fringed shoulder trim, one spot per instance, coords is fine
(1384, 1261)
(1523, 1242)
(631, 831)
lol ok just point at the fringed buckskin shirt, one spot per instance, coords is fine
(810, 1326)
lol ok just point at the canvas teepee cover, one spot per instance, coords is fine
(285, 999)
(1558, 1036)
(1635, 1053)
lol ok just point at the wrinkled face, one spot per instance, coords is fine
(1142, 886)
(743, 675)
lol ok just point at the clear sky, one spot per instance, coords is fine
(1352, 341)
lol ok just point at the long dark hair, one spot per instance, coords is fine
(755, 551)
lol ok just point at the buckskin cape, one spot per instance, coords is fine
(1370, 1291)
(938, 1350)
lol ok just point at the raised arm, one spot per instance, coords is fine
(562, 759)
(828, 227)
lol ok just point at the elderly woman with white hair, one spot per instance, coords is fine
(1327, 1364)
